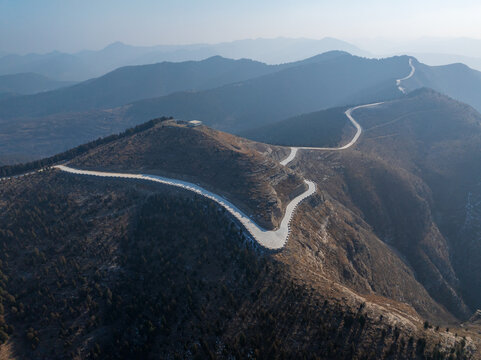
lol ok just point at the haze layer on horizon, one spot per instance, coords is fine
(43, 26)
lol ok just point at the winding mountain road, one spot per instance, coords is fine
(270, 239)
(274, 239)
(411, 74)
(348, 113)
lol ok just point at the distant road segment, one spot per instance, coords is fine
(411, 74)
(356, 136)
(348, 112)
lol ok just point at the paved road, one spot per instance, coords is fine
(290, 157)
(275, 239)
(399, 81)
(348, 113)
(358, 127)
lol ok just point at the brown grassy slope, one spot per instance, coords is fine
(447, 157)
(220, 162)
(127, 269)
(410, 178)
(340, 240)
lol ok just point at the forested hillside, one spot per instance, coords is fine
(120, 270)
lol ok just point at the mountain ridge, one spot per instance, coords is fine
(334, 268)
(87, 64)
(131, 83)
(327, 80)
(29, 83)
(212, 106)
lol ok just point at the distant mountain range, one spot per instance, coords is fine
(456, 80)
(231, 95)
(461, 46)
(28, 83)
(434, 59)
(88, 64)
(51, 122)
(132, 83)
(328, 80)
(431, 51)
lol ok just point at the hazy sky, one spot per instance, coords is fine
(71, 25)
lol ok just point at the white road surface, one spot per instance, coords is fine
(358, 127)
(270, 239)
(399, 81)
(290, 157)
(275, 239)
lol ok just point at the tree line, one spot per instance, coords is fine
(17, 169)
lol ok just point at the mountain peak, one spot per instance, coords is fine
(329, 55)
(116, 45)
